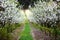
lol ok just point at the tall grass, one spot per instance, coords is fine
(5, 32)
(55, 33)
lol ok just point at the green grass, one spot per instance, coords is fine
(26, 35)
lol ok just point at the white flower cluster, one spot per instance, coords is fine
(11, 12)
(44, 10)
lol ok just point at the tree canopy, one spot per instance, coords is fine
(26, 3)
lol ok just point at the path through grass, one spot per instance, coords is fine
(26, 34)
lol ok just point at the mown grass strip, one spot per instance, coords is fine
(26, 35)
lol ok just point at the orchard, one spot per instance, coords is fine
(29, 19)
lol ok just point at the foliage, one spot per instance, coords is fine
(55, 33)
(47, 17)
(11, 13)
(5, 32)
(10, 19)
(26, 3)
(45, 13)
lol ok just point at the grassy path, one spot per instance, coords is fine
(26, 34)
(17, 31)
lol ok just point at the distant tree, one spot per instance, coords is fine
(26, 3)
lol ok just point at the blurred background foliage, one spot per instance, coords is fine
(46, 16)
